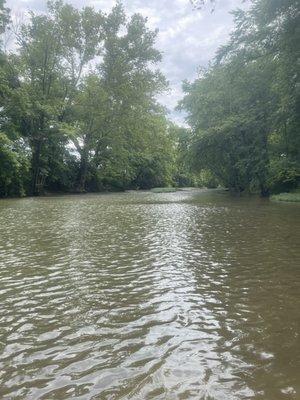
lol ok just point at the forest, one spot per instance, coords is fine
(79, 110)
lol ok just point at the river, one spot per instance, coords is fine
(138, 295)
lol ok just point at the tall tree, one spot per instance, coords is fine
(244, 110)
(132, 83)
(79, 102)
(54, 49)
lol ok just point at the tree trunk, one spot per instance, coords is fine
(36, 158)
(82, 171)
(264, 190)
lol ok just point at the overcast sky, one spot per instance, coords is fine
(188, 38)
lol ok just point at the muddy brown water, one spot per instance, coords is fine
(186, 295)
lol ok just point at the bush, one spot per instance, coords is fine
(291, 197)
(208, 180)
(284, 175)
(14, 169)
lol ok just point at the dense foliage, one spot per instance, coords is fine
(78, 109)
(244, 109)
(77, 104)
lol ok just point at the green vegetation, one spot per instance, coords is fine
(244, 109)
(292, 197)
(78, 108)
(164, 190)
(77, 104)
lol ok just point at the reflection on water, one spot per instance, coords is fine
(188, 295)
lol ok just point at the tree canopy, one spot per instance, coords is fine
(244, 108)
(78, 104)
(79, 109)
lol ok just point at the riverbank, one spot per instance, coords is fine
(164, 189)
(290, 197)
(61, 193)
(287, 197)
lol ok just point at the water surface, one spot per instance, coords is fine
(187, 295)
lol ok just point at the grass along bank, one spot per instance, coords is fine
(164, 190)
(292, 196)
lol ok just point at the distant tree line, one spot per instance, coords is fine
(78, 108)
(244, 108)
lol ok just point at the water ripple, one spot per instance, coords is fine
(187, 295)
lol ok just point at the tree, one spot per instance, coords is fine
(89, 132)
(13, 158)
(79, 101)
(131, 84)
(54, 49)
(243, 109)
(4, 17)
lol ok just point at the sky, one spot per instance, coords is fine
(187, 38)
